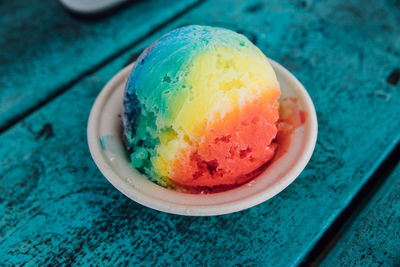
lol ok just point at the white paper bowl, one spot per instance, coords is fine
(105, 122)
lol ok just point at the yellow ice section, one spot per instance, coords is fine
(166, 151)
(220, 80)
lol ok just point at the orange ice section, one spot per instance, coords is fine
(231, 148)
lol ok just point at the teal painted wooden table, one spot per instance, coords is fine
(56, 208)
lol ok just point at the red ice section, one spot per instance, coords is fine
(232, 148)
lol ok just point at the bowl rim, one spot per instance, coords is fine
(197, 210)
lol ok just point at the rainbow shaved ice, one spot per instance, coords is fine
(201, 109)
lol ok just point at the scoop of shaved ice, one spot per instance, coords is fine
(201, 109)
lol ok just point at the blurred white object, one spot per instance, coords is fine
(90, 6)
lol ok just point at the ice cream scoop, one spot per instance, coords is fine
(200, 109)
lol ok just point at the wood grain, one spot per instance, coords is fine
(57, 208)
(374, 237)
(43, 48)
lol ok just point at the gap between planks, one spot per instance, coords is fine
(97, 67)
(350, 213)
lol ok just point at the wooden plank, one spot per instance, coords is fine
(373, 238)
(59, 209)
(43, 48)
